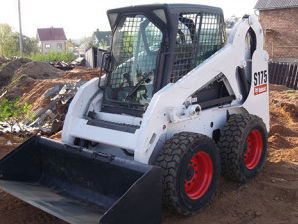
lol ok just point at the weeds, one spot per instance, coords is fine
(66, 56)
(13, 112)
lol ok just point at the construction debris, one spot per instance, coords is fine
(62, 65)
(48, 89)
(80, 61)
(50, 118)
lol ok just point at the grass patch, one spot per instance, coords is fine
(66, 56)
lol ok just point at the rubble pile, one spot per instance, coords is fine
(49, 118)
(48, 89)
(62, 65)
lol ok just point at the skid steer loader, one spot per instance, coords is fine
(178, 106)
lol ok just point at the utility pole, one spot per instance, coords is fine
(20, 27)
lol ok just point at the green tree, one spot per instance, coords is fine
(5, 36)
(98, 36)
(103, 44)
(12, 48)
(10, 42)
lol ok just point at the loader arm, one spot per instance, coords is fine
(171, 98)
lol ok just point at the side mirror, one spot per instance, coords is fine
(102, 82)
(105, 62)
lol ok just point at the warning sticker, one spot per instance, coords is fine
(261, 89)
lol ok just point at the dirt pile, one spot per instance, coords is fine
(50, 98)
(3, 60)
(33, 82)
(35, 90)
(8, 70)
(39, 70)
(283, 136)
(17, 74)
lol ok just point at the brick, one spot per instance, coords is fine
(281, 32)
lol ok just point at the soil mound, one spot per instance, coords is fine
(27, 75)
(7, 72)
(39, 70)
(277, 128)
(291, 110)
(82, 72)
(279, 142)
(16, 88)
(3, 60)
(283, 136)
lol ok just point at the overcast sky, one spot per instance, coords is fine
(80, 18)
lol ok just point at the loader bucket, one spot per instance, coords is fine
(82, 186)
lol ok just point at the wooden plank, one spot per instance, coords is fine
(275, 72)
(285, 74)
(290, 75)
(281, 74)
(295, 86)
(270, 72)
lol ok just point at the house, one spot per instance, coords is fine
(102, 39)
(51, 39)
(279, 19)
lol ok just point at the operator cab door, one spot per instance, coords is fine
(199, 36)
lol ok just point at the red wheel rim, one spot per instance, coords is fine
(254, 149)
(198, 175)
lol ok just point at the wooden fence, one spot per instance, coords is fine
(284, 74)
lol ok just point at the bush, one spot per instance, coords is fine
(13, 112)
(66, 56)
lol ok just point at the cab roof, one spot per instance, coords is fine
(168, 7)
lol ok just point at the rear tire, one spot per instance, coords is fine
(191, 169)
(243, 147)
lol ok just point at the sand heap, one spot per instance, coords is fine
(283, 136)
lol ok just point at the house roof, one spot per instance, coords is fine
(51, 34)
(276, 4)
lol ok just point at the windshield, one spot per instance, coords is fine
(135, 49)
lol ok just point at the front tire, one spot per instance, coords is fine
(191, 169)
(243, 147)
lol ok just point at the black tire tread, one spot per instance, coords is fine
(169, 159)
(231, 136)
